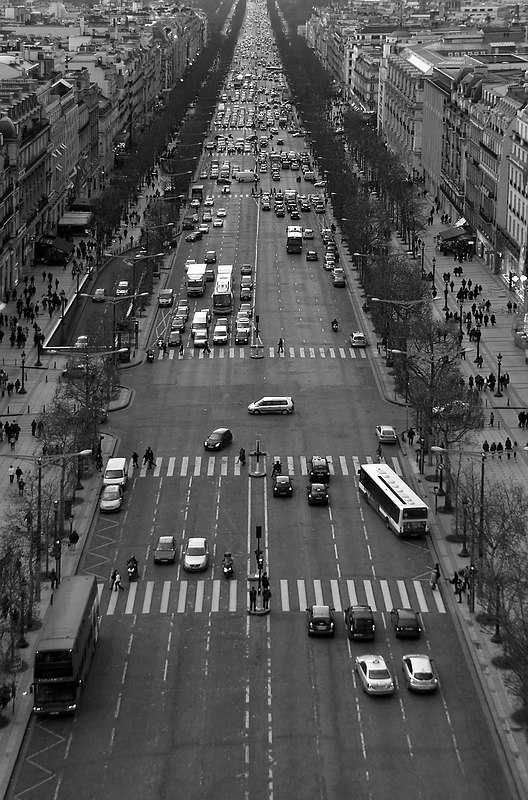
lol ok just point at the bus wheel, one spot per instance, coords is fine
(387, 523)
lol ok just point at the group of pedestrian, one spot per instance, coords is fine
(461, 581)
(18, 474)
(115, 581)
(11, 431)
(497, 448)
(264, 590)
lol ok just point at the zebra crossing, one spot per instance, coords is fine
(213, 465)
(214, 596)
(289, 352)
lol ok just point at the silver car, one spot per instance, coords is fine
(419, 673)
(195, 555)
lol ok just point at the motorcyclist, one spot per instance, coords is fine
(132, 562)
(277, 468)
(335, 324)
(227, 561)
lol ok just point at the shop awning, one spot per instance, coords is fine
(452, 233)
(62, 245)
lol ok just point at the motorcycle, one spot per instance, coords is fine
(335, 326)
(132, 570)
(227, 567)
(150, 355)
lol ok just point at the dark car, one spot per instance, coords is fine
(223, 181)
(320, 620)
(246, 294)
(165, 551)
(282, 486)
(317, 494)
(319, 470)
(246, 269)
(195, 236)
(311, 255)
(405, 623)
(218, 439)
(175, 338)
(359, 621)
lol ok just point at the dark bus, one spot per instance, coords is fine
(66, 647)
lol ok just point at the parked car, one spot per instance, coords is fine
(111, 499)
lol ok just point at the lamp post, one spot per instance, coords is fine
(423, 256)
(461, 320)
(498, 393)
(464, 552)
(479, 334)
(433, 263)
(23, 389)
(39, 337)
(446, 295)
(22, 641)
(57, 547)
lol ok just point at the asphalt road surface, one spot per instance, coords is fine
(188, 695)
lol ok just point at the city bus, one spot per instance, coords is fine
(66, 647)
(403, 511)
(223, 290)
(294, 239)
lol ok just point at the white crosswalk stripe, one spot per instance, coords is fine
(344, 353)
(221, 464)
(206, 595)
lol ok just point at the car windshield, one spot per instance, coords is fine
(165, 546)
(215, 437)
(111, 492)
(196, 550)
(423, 675)
(379, 674)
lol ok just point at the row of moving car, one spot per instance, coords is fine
(372, 669)
(195, 556)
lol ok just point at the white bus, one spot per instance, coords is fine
(223, 290)
(403, 511)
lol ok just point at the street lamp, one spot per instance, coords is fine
(433, 263)
(477, 337)
(460, 321)
(498, 393)
(446, 295)
(39, 339)
(423, 256)
(22, 641)
(23, 389)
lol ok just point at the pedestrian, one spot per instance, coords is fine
(455, 580)
(135, 459)
(410, 435)
(514, 449)
(266, 597)
(117, 583)
(181, 349)
(500, 450)
(21, 485)
(207, 349)
(33, 427)
(265, 580)
(508, 447)
(113, 575)
(485, 447)
(11, 473)
(280, 345)
(491, 419)
(435, 576)
(493, 449)
(53, 579)
(18, 473)
(73, 538)
(252, 599)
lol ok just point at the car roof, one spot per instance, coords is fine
(196, 541)
(405, 613)
(372, 659)
(319, 460)
(419, 658)
(318, 487)
(365, 611)
(166, 540)
(220, 430)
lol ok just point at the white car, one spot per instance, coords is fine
(195, 554)
(386, 434)
(308, 233)
(209, 201)
(419, 673)
(374, 674)
(200, 339)
(218, 223)
(357, 339)
(99, 296)
(221, 212)
(220, 335)
(122, 289)
(111, 499)
(204, 228)
(195, 203)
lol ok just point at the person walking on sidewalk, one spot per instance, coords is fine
(135, 459)
(11, 473)
(117, 583)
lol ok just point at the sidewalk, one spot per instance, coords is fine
(495, 339)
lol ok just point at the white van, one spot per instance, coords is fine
(272, 405)
(200, 322)
(246, 176)
(116, 472)
(165, 297)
